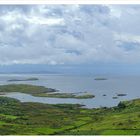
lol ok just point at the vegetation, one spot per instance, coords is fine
(85, 96)
(25, 88)
(66, 95)
(18, 118)
(28, 79)
(41, 91)
(122, 105)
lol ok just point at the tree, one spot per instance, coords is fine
(121, 105)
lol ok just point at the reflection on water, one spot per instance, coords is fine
(67, 83)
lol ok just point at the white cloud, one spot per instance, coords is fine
(69, 34)
(45, 21)
(127, 37)
(114, 12)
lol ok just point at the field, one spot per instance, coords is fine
(18, 118)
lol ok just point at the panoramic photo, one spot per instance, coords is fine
(69, 70)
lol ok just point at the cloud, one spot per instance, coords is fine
(127, 37)
(69, 34)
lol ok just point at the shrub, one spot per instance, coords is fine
(121, 105)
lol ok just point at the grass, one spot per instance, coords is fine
(65, 95)
(18, 118)
(86, 96)
(25, 88)
(40, 91)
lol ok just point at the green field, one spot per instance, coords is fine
(18, 118)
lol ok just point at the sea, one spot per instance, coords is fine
(104, 90)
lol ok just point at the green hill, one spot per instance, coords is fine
(18, 118)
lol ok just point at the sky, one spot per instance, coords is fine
(69, 37)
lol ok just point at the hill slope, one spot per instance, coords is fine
(18, 118)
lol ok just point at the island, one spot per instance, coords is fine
(121, 94)
(28, 79)
(66, 95)
(100, 78)
(41, 91)
(114, 97)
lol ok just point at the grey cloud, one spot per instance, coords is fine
(85, 35)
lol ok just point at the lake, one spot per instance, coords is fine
(129, 85)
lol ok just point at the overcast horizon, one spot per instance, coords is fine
(60, 38)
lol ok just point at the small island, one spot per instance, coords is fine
(66, 95)
(41, 91)
(28, 79)
(121, 94)
(114, 97)
(100, 78)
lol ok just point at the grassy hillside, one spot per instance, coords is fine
(18, 118)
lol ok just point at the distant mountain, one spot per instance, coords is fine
(30, 72)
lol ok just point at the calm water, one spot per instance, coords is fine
(129, 85)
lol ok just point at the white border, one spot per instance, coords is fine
(12, 2)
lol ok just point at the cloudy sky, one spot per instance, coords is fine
(69, 35)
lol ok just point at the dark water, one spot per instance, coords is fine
(129, 85)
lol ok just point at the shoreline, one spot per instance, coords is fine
(22, 97)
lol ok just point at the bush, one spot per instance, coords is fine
(121, 105)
